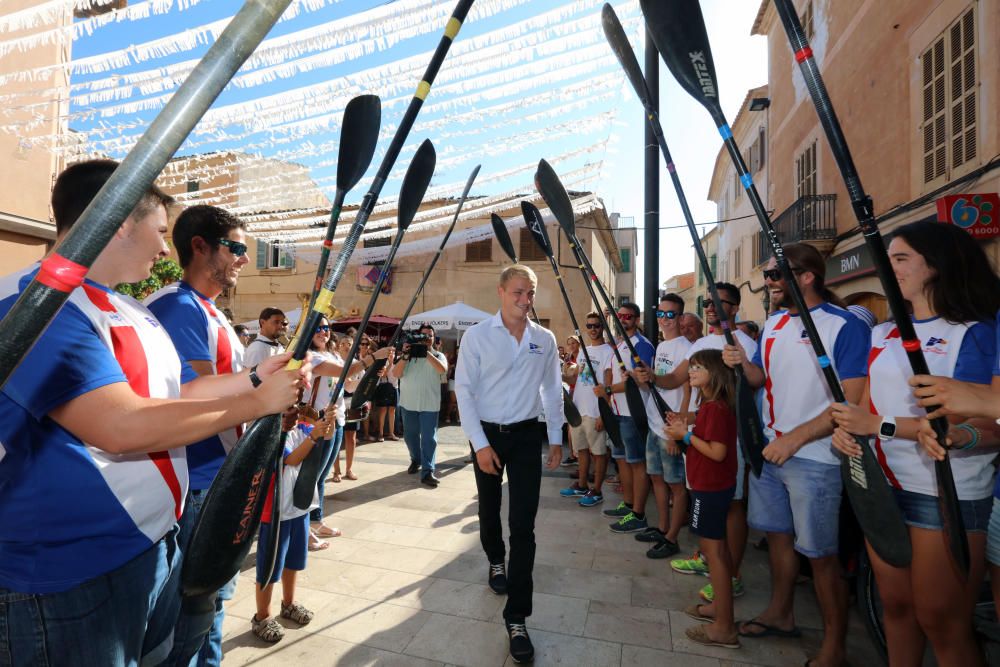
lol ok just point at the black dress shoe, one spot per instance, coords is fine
(430, 480)
(498, 579)
(414, 467)
(521, 649)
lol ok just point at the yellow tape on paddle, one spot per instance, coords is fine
(293, 365)
(423, 89)
(323, 301)
(451, 30)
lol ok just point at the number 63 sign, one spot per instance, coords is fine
(975, 213)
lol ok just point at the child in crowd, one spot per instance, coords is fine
(293, 536)
(710, 468)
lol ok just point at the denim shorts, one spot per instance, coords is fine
(921, 511)
(800, 498)
(293, 543)
(658, 462)
(635, 446)
(709, 510)
(993, 535)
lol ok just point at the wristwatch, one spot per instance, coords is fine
(254, 378)
(887, 431)
(607, 389)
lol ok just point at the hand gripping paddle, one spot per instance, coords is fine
(554, 194)
(751, 433)
(678, 30)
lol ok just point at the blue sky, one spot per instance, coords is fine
(500, 142)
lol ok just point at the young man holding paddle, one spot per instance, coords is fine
(93, 473)
(506, 378)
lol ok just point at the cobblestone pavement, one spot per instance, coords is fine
(406, 585)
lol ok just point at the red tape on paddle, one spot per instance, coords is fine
(911, 345)
(803, 55)
(61, 274)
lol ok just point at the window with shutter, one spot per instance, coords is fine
(479, 251)
(949, 113)
(761, 148)
(274, 255)
(805, 172)
(377, 242)
(528, 250)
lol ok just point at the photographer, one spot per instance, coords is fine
(419, 369)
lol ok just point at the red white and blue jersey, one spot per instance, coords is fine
(794, 388)
(200, 332)
(646, 353)
(964, 351)
(69, 511)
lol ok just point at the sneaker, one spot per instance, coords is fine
(694, 565)
(651, 534)
(629, 523)
(618, 512)
(663, 549)
(498, 578)
(590, 499)
(708, 594)
(573, 491)
(569, 461)
(521, 649)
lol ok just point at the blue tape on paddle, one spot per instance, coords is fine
(726, 133)
(824, 361)
(747, 181)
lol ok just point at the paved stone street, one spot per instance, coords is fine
(406, 585)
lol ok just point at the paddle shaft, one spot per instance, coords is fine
(63, 270)
(864, 212)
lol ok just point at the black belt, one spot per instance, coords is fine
(514, 427)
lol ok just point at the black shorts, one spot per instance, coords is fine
(385, 396)
(350, 426)
(708, 512)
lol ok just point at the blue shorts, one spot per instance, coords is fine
(658, 462)
(921, 511)
(709, 510)
(293, 544)
(800, 498)
(635, 446)
(993, 535)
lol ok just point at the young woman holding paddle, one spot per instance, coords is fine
(953, 295)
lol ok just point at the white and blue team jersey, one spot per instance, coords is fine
(200, 332)
(794, 388)
(964, 351)
(583, 393)
(645, 350)
(69, 511)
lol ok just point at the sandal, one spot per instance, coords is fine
(296, 612)
(694, 612)
(698, 635)
(350, 475)
(336, 478)
(268, 630)
(325, 531)
(318, 544)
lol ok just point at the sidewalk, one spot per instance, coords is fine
(406, 585)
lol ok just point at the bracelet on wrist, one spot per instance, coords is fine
(687, 438)
(973, 435)
(254, 378)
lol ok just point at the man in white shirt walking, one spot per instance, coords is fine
(273, 325)
(508, 376)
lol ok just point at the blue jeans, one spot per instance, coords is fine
(117, 619)
(210, 654)
(331, 449)
(420, 434)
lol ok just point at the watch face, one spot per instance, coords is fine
(887, 430)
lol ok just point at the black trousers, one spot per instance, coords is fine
(520, 455)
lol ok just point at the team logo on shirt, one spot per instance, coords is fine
(534, 349)
(936, 345)
(152, 322)
(804, 338)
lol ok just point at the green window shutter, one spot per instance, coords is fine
(287, 260)
(261, 254)
(626, 255)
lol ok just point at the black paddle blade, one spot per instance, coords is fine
(876, 508)
(570, 411)
(678, 31)
(366, 387)
(418, 177)
(274, 529)
(503, 236)
(619, 43)
(951, 515)
(611, 424)
(305, 483)
(535, 224)
(748, 427)
(358, 137)
(551, 188)
(228, 521)
(637, 406)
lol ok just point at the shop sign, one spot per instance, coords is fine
(975, 213)
(848, 265)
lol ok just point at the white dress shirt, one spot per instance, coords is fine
(502, 381)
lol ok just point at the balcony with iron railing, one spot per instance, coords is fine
(811, 219)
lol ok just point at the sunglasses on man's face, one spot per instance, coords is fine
(593, 325)
(668, 314)
(774, 275)
(709, 303)
(626, 316)
(238, 249)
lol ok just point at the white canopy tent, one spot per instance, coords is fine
(450, 320)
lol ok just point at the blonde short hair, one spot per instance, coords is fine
(518, 271)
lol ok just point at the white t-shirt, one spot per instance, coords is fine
(583, 393)
(646, 352)
(716, 342)
(963, 351)
(669, 355)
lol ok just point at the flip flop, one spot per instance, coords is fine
(766, 630)
(693, 612)
(351, 476)
(326, 531)
(320, 546)
(698, 635)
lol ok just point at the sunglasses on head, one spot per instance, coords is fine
(238, 249)
(774, 275)
(668, 314)
(709, 303)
